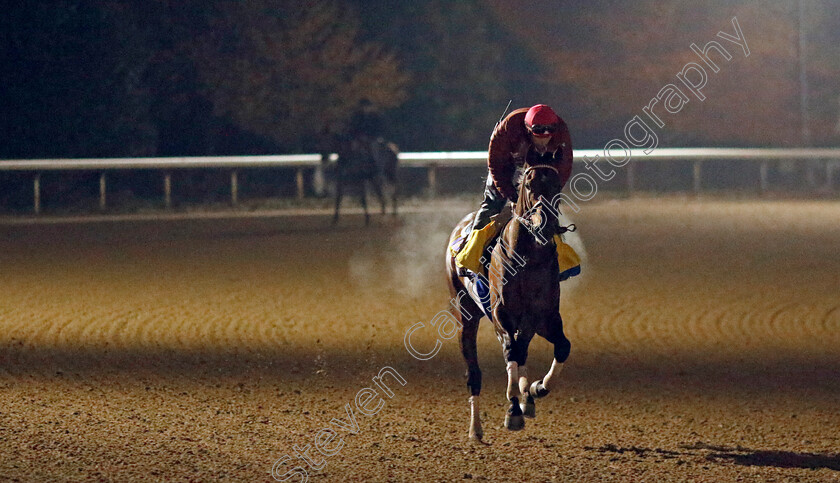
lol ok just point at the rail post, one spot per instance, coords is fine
(299, 183)
(102, 190)
(763, 182)
(697, 176)
(234, 188)
(631, 179)
(36, 193)
(167, 189)
(431, 176)
(318, 179)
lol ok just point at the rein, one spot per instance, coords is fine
(541, 166)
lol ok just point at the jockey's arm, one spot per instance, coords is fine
(500, 161)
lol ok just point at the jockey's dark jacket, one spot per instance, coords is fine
(509, 146)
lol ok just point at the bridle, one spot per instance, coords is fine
(540, 166)
(526, 222)
(525, 174)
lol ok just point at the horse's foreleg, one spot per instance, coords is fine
(476, 432)
(506, 330)
(526, 400)
(363, 199)
(529, 409)
(562, 347)
(514, 419)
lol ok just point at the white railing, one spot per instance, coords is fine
(429, 160)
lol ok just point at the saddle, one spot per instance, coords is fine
(567, 258)
(477, 285)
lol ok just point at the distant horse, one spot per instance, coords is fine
(362, 163)
(523, 298)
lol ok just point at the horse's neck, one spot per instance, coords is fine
(519, 239)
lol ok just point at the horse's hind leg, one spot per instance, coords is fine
(395, 189)
(553, 332)
(377, 184)
(468, 314)
(363, 199)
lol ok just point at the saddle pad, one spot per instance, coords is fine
(456, 245)
(572, 272)
(567, 259)
(479, 292)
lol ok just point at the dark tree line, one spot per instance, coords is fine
(163, 77)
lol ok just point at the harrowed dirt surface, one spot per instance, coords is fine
(705, 347)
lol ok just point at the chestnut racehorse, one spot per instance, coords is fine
(523, 299)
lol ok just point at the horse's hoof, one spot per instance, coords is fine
(529, 409)
(514, 423)
(476, 434)
(537, 390)
(513, 419)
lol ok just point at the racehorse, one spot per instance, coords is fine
(523, 299)
(361, 163)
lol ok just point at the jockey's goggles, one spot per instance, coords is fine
(542, 129)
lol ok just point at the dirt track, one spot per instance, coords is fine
(705, 347)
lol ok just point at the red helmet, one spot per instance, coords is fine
(541, 120)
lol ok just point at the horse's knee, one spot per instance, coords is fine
(562, 349)
(521, 353)
(512, 352)
(474, 381)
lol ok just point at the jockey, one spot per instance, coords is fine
(537, 128)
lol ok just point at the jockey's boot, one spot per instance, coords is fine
(470, 255)
(567, 259)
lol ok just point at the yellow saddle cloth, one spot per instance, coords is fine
(469, 256)
(567, 259)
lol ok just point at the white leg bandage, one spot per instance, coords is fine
(475, 419)
(523, 380)
(513, 380)
(552, 379)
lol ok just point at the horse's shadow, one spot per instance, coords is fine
(737, 455)
(779, 459)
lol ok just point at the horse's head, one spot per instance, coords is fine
(540, 183)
